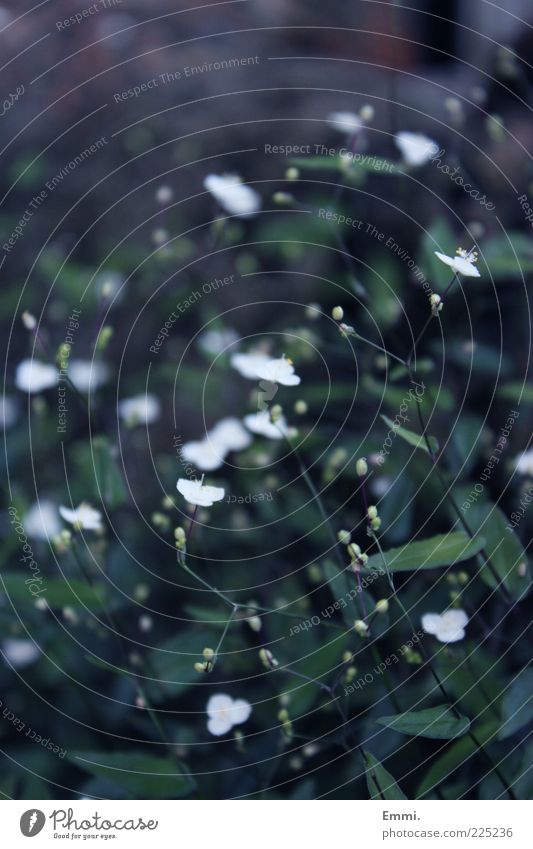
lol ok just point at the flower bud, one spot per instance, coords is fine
(337, 313)
(436, 304)
(354, 551)
(28, 320)
(361, 467)
(360, 627)
(375, 524)
(104, 337)
(276, 412)
(208, 654)
(344, 537)
(382, 605)
(366, 113)
(300, 408)
(267, 659)
(372, 512)
(199, 667)
(283, 198)
(292, 173)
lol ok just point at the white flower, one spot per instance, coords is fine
(83, 517)
(141, 409)
(209, 453)
(223, 713)
(248, 364)
(260, 423)
(233, 195)
(278, 371)
(34, 376)
(415, 148)
(448, 627)
(229, 435)
(345, 122)
(8, 411)
(216, 341)
(41, 521)
(203, 454)
(196, 493)
(524, 463)
(87, 375)
(19, 652)
(462, 263)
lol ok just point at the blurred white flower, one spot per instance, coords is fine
(524, 463)
(8, 411)
(462, 262)
(233, 195)
(19, 652)
(141, 409)
(87, 374)
(278, 371)
(229, 435)
(216, 341)
(83, 517)
(345, 122)
(248, 364)
(28, 320)
(260, 423)
(223, 713)
(209, 453)
(415, 148)
(196, 493)
(34, 376)
(448, 627)
(203, 454)
(41, 521)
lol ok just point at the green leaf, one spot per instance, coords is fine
(413, 439)
(442, 550)
(57, 592)
(517, 709)
(438, 723)
(140, 776)
(504, 551)
(380, 783)
(518, 393)
(455, 757)
(371, 164)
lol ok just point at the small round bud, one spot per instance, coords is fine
(347, 656)
(104, 337)
(140, 702)
(292, 173)
(354, 551)
(372, 512)
(344, 537)
(28, 320)
(382, 606)
(375, 524)
(180, 535)
(267, 659)
(164, 194)
(255, 623)
(208, 654)
(462, 577)
(199, 667)
(361, 467)
(366, 113)
(146, 624)
(300, 408)
(283, 198)
(351, 672)
(360, 627)
(276, 412)
(337, 313)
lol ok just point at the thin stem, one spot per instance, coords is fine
(123, 653)
(447, 696)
